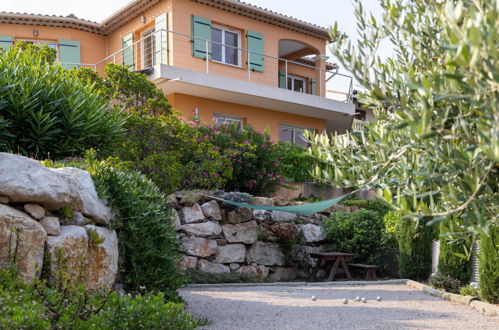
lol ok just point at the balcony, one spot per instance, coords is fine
(168, 59)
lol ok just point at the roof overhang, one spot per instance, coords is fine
(338, 115)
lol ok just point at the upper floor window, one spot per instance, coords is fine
(297, 84)
(292, 134)
(221, 119)
(225, 44)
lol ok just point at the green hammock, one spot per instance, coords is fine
(309, 208)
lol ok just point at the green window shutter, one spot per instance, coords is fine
(282, 79)
(128, 52)
(161, 39)
(313, 87)
(69, 53)
(201, 28)
(6, 42)
(255, 44)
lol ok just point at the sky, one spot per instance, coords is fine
(320, 12)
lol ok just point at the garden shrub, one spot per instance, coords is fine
(149, 249)
(468, 291)
(455, 254)
(46, 112)
(391, 232)
(255, 165)
(296, 163)
(172, 153)
(359, 232)
(445, 282)
(377, 205)
(489, 265)
(415, 239)
(36, 306)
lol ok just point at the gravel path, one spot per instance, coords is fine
(291, 307)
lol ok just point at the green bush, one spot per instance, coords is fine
(391, 232)
(359, 232)
(415, 239)
(377, 205)
(46, 112)
(489, 266)
(255, 165)
(445, 282)
(468, 291)
(455, 254)
(149, 250)
(296, 163)
(172, 153)
(36, 306)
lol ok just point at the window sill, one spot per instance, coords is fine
(228, 64)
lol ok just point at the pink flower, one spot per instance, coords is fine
(246, 142)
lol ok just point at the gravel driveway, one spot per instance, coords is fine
(291, 307)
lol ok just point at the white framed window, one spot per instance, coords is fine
(148, 47)
(297, 84)
(222, 119)
(224, 48)
(293, 134)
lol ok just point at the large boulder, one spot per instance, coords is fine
(246, 233)
(68, 252)
(22, 234)
(199, 247)
(188, 262)
(26, 180)
(262, 215)
(102, 259)
(192, 214)
(211, 210)
(212, 267)
(230, 253)
(86, 198)
(254, 271)
(265, 254)
(312, 233)
(203, 229)
(35, 211)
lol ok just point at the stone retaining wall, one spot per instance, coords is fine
(53, 218)
(222, 238)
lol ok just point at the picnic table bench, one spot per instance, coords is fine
(370, 270)
(339, 266)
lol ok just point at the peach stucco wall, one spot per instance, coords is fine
(259, 118)
(92, 46)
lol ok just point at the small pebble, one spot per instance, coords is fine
(345, 301)
(314, 298)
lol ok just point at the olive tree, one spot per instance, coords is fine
(434, 149)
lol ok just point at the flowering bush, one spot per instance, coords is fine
(173, 154)
(255, 163)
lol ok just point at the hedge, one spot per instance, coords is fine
(489, 266)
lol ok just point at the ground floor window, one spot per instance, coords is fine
(221, 119)
(50, 43)
(293, 134)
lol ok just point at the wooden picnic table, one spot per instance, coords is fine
(340, 263)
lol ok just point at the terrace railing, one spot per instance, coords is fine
(156, 48)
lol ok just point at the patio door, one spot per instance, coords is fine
(148, 46)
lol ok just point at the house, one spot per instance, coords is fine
(218, 60)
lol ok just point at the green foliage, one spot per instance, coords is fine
(45, 112)
(446, 282)
(255, 165)
(36, 306)
(455, 251)
(415, 239)
(489, 266)
(359, 232)
(94, 238)
(468, 291)
(129, 91)
(195, 276)
(377, 205)
(391, 233)
(296, 163)
(65, 212)
(434, 146)
(172, 154)
(149, 250)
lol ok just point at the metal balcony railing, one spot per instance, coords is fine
(156, 48)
